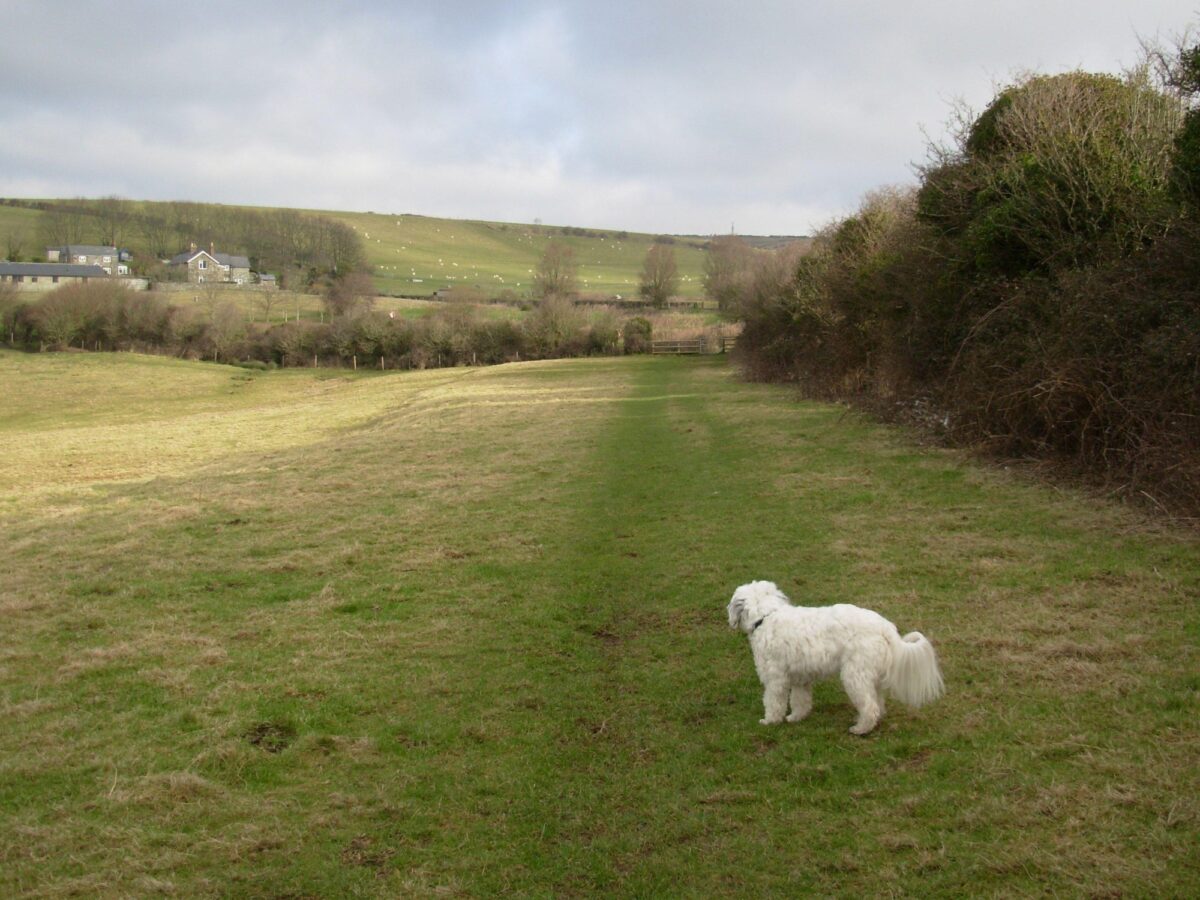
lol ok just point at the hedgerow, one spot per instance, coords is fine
(105, 316)
(1037, 293)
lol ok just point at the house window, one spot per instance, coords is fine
(203, 264)
(33, 278)
(55, 279)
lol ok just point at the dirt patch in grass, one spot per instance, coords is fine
(274, 737)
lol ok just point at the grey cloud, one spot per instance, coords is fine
(667, 116)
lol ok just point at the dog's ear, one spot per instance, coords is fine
(736, 607)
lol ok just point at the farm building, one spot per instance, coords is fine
(208, 265)
(91, 255)
(47, 276)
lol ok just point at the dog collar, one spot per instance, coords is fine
(754, 627)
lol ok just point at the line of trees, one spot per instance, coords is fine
(1038, 292)
(557, 274)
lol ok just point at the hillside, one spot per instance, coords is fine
(416, 255)
(19, 232)
(463, 632)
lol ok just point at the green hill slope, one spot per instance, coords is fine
(416, 255)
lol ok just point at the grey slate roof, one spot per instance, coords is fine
(88, 250)
(70, 270)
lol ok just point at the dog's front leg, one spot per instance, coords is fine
(775, 698)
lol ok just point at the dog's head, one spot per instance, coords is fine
(752, 602)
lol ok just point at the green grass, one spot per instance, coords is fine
(276, 307)
(470, 639)
(21, 226)
(416, 255)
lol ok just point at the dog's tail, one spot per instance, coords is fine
(914, 676)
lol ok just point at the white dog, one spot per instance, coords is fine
(795, 645)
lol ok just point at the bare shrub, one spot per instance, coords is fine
(557, 272)
(554, 326)
(660, 275)
(637, 334)
(728, 267)
(349, 295)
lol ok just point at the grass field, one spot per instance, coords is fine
(416, 255)
(462, 632)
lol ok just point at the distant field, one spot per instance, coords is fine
(417, 255)
(286, 306)
(462, 632)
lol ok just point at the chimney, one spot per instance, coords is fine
(212, 249)
(193, 246)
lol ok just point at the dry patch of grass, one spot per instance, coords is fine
(128, 418)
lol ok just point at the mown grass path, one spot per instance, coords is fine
(470, 638)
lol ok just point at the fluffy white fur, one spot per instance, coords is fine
(794, 646)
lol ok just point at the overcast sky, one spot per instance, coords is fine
(684, 116)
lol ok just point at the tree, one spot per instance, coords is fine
(63, 223)
(1179, 70)
(343, 248)
(1058, 170)
(9, 305)
(14, 242)
(554, 324)
(660, 275)
(114, 216)
(557, 273)
(728, 268)
(265, 301)
(159, 233)
(228, 326)
(349, 295)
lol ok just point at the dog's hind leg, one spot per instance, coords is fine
(861, 689)
(775, 698)
(801, 701)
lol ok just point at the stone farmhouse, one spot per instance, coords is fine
(47, 276)
(209, 266)
(111, 260)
